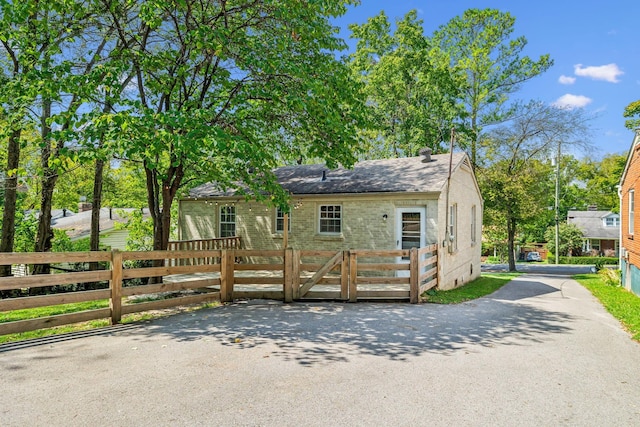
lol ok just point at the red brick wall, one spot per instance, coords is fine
(632, 182)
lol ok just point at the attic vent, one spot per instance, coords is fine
(324, 175)
(426, 154)
(592, 208)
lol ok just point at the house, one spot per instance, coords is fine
(601, 231)
(78, 225)
(629, 221)
(379, 204)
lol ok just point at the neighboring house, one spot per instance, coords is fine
(78, 225)
(630, 222)
(601, 231)
(379, 204)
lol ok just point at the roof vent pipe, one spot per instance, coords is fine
(324, 175)
(426, 154)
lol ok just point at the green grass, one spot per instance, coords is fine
(32, 313)
(484, 285)
(622, 304)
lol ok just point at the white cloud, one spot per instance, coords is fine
(566, 80)
(570, 101)
(609, 72)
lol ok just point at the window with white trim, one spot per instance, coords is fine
(280, 221)
(227, 221)
(631, 210)
(611, 221)
(473, 225)
(330, 219)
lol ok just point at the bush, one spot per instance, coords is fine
(493, 260)
(611, 277)
(588, 260)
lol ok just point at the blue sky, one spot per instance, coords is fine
(595, 46)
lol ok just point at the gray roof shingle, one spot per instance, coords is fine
(592, 224)
(408, 174)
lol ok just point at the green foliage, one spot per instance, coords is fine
(411, 91)
(488, 60)
(140, 229)
(587, 260)
(595, 181)
(226, 94)
(26, 230)
(570, 239)
(622, 304)
(610, 277)
(632, 111)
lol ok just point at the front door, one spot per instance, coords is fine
(410, 231)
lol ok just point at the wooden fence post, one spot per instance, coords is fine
(295, 275)
(414, 274)
(288, 274)
(353, 277)
(344, 276)
(116, 287)
(227, 275)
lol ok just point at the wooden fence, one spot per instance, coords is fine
(218, 275)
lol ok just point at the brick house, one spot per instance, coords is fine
(601, 231)
(629, 219)
(379, 204)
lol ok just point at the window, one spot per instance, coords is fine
(611, 221)
(280, 221)
(631, 210)
(227, 221)
(330, 219)
(473, 225)
(453, 226)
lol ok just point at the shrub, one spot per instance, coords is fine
(611, 277)
(588, 260)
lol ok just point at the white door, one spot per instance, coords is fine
(410, 231)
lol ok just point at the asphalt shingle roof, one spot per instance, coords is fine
(592, 224)
(408, 174)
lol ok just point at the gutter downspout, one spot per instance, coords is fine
(619, 187)
(447, 237)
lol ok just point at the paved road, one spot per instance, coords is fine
(535, 268)
(540, 351)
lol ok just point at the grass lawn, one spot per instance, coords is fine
(622, 304)
(484, 285)
(32, 313)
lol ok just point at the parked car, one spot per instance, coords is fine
(534, 256)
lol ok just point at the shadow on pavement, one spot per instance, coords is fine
(322, 333)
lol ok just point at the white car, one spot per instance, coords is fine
(534, 256)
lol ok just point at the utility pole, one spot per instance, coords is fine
(557, 203)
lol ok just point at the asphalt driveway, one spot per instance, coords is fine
(540, 351)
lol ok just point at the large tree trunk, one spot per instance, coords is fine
(10, 197)
(160, 197)
(49, 178)
(96, 204)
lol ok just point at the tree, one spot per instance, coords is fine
(49, 71)
(599, 179)
(570, 238)
(632, 111)
(224, 90)
(482, 51)
(512, 181)
(411, 92)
